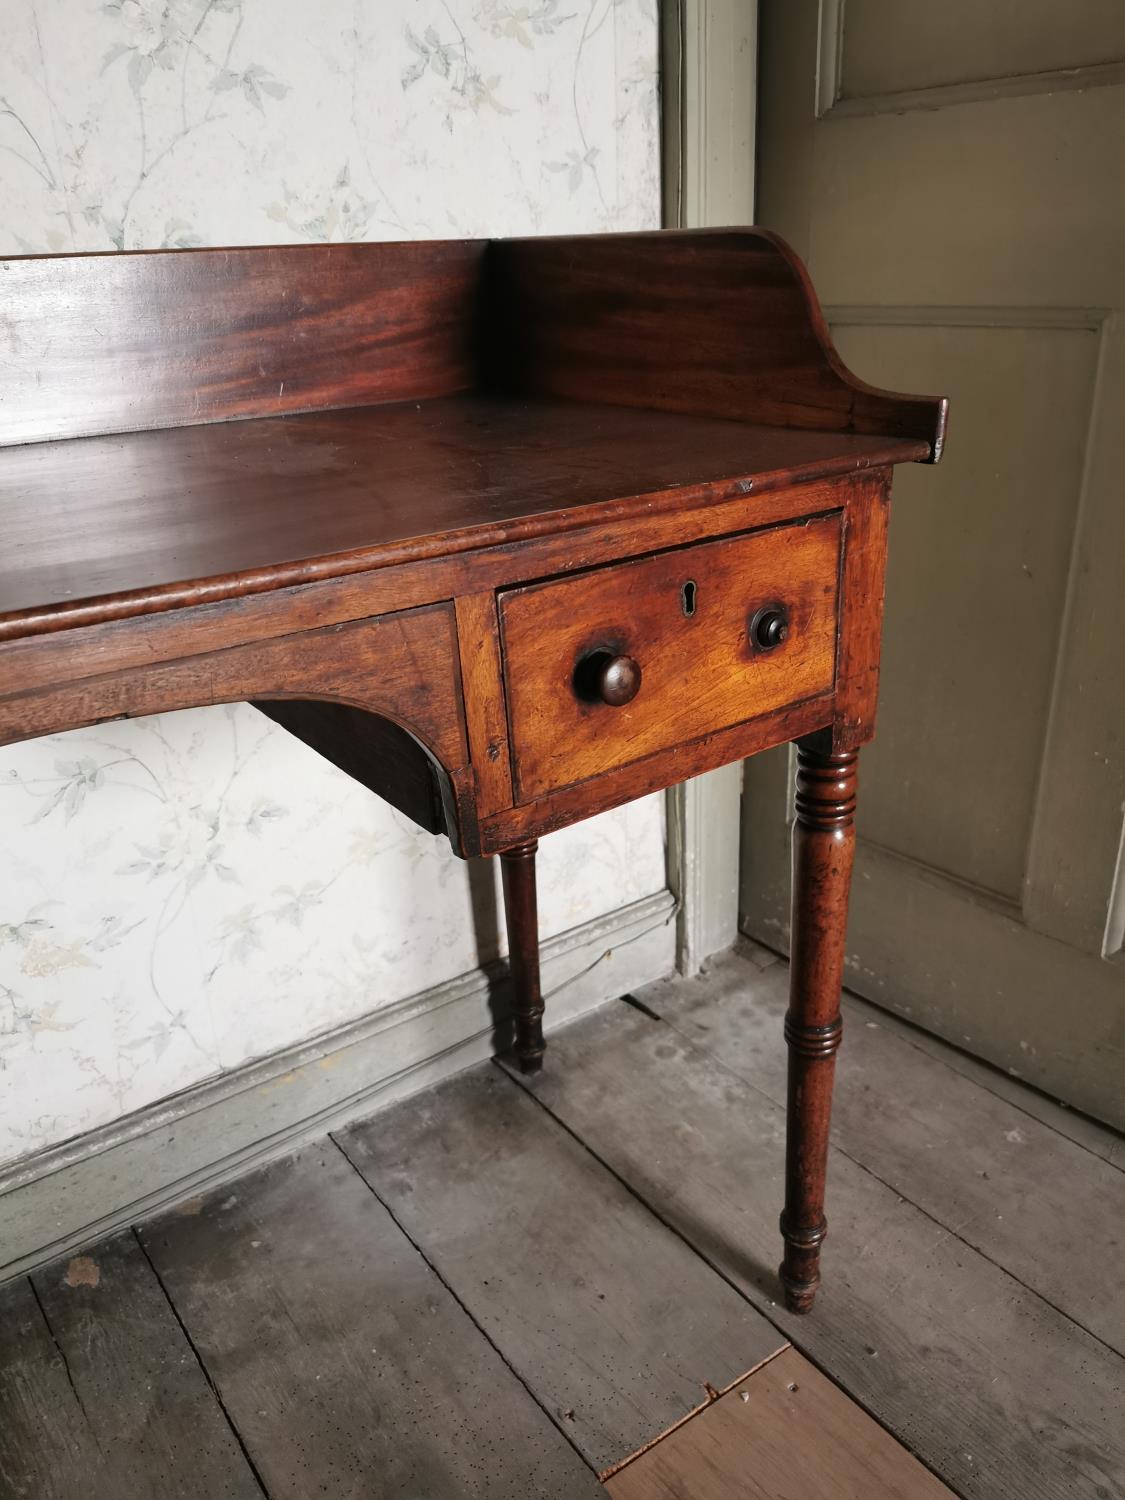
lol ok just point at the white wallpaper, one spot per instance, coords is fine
(183, 893)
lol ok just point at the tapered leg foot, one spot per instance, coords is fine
(823, 848)
(800, 1270)
(517, 869)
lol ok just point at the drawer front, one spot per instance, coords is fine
(606, 667)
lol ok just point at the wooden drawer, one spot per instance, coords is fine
(687, 619)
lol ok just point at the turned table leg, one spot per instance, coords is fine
(517, 868)
(823, 846)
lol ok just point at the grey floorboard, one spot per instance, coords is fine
(1047, 1210)
(100, 1392)
(47, 1448)
(1093, 1134)
(1082, 1129)
(973, 1227)
(615, 1323)
(347, 1367)
(994, 1389)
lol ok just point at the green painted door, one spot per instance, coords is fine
(955, 177)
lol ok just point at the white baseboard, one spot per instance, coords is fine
(64, 1197)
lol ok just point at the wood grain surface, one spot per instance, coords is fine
(400, 668)
(347, 1367)
(403, 665)
(989, 1384)
(823, 854)
(722, 321)
(101, 1394)
(699, 672)
(147, 517)
(785, 1432)
(861, 610)
(653, 773)
(482, 676)
(140, 339)
(618, 1325)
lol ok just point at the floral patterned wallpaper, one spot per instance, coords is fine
(183, 893)
(134, 123)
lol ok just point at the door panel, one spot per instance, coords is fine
(980, 587)
(974, 242)
(885, 51)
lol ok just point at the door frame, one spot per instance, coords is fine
(709, 87)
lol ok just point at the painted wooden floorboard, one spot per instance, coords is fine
(1084, 1131)
(347, 1367)
(987, 1383)
(47, 1447)
(616, 1324)
(1047, 1210)
(786, 1431)
(101, 1394)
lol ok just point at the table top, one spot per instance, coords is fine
(109, 517)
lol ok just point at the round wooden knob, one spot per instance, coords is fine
(769, 627)
(618, 680)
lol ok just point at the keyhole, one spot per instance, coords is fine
(687, 599)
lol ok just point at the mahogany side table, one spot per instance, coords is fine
(510, 531)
